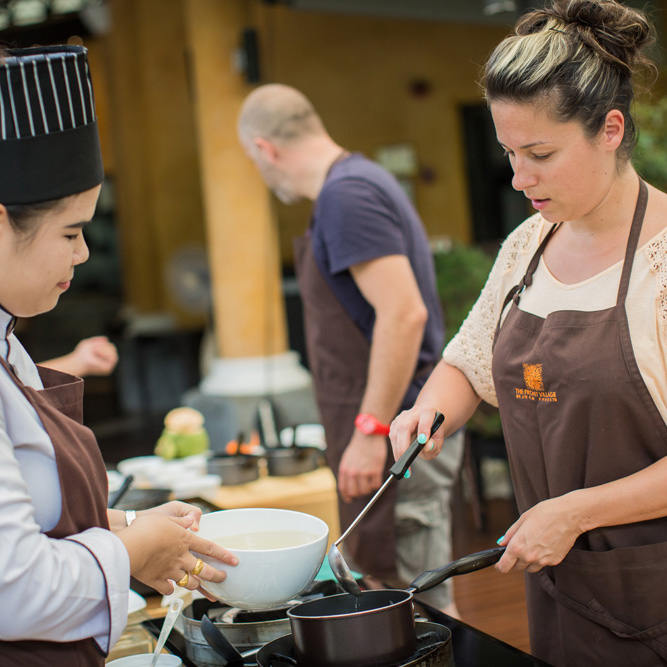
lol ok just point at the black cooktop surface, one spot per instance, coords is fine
(472, 648)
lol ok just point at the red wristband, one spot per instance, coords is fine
(370, 425)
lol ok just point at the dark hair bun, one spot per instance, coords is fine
(616, 32)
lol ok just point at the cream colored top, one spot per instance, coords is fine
(646, 305)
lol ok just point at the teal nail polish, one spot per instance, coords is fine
(408, 473)
(500, 539)
(422, 438)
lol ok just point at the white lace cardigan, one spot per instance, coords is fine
(646, 305)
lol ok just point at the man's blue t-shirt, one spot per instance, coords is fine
(362, 213)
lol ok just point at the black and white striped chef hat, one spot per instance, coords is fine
(49, 143)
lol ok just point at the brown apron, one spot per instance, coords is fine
(338, 354)
(83, 485)
(576, 413)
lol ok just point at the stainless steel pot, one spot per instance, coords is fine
(243, 635)
(235, 469)
(295, 460)
(376, 628)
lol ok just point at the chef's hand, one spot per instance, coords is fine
(413, 423)
(361, 466)
(160, 549)
(541, 536)
(176, 508)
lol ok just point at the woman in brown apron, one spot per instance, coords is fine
(582, 402)
(65, 561)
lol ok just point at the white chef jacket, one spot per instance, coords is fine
(51, 590)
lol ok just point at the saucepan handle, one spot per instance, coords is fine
(470, 563)
(401, 466)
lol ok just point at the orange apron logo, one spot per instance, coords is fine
(534, 389)
(532, 376)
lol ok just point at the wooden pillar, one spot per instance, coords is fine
(242, 235)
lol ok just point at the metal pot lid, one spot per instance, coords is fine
(225, 616)
(237, 616)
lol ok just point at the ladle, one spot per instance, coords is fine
(222, 646)
(397, 471)
(169, 620)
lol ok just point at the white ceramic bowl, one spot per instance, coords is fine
(144, 660)
(265, 577)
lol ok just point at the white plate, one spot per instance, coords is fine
(154, 471)
(135, 603)
(139, 466)
(194, 485)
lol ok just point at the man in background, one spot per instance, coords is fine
(374, 331)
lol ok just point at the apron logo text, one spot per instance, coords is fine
(534, 390)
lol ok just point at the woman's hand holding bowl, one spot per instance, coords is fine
(160, 543)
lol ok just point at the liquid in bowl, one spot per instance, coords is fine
(266, 540)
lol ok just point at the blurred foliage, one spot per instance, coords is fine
(485, 422)
(650, 157)
(461, 271)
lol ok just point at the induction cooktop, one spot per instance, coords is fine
(472, 648)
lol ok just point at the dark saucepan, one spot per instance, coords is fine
(376, 628)
(235, 469)
(434, 649)
(286, 461)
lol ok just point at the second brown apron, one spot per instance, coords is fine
(338, 355)
(576, 413)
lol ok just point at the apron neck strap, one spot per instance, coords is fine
(527, 280)
(515, 293)
(633, 242)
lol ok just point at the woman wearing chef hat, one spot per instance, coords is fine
(65, 561)
(569, 339)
